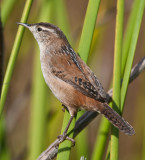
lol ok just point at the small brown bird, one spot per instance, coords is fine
(70, 79)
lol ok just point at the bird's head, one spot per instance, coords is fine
(46, 34)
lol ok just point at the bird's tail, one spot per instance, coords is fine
(116, 119)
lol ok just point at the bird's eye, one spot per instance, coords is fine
(39, 29)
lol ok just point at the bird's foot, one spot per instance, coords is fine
(63, 107)
(65, 137)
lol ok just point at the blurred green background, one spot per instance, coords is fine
(21, 99)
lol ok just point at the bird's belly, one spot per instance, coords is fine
(63, 91)
(59, 88)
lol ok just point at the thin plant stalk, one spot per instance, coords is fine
(88, 29)
(101, 139)
(117, 76)
(131, 51)
(13, 56)
(128, 34)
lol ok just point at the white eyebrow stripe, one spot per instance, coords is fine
(48, 29)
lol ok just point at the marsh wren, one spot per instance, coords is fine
(70, 79)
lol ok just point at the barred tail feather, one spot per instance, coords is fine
(117, 120)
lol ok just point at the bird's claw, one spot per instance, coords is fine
(65, 137)
(63, 107)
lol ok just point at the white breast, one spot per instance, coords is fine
(59, 88)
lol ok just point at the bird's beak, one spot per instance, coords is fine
(24, 24)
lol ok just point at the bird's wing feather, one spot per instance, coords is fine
(74, 71)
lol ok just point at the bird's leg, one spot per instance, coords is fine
(64, 135)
